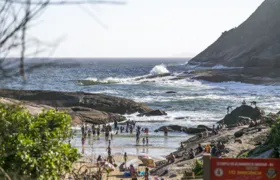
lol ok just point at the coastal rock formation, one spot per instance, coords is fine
(170, 92)
(255, 43)
(78, 114)
(191, 130)
(98, 102)
(32, 108)
(82, 114)
(153, 113)
(252, 75)
(249, 130)
(176, 128)
(243, 111)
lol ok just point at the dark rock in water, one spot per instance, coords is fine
(178, 78)
(158, 75)
(242, 111)
(194, 130)
(153, 113)
(170, 92)
(204, 127)
(178, 128)
(252, 75)
(90, 82)
(98, 102)
(172, 128)
(180, 118)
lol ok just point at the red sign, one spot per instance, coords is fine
(245, 169)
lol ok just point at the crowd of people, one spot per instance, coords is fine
(109, 132)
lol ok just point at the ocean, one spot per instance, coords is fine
(194, 103)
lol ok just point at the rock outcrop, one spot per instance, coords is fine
(81, 114)
(98, 102)
(240, 113)
(254, 43)
(153, 113)
(78, 114)
(190, 130)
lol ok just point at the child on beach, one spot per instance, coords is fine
(143, 141)
(147, 140)
(146, 176)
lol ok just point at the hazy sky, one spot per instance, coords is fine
(141, 28)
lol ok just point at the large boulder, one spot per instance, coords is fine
(176, 128)
(153, 113)
(204, 127)
(242, 111)
(194, 130)
(98, 102)
(191, 130)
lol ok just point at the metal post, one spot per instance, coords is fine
(206, 167)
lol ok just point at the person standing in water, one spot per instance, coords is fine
(83, 129)
(116, 124)
(98, 130)
(165, 131)
(147, 140)
(143, 141)
(111, 136)
(137, 138)
(93, 130)
(125, 157)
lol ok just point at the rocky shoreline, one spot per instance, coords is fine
(265, 76)
(245, 134)
(83, 107)
(244, 131)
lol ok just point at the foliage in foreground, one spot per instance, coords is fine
(198, 168)
(274, 138)
(34, 146)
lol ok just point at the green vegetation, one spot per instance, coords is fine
(245, 154)
(198, 168)
(35, 146)
(274, 139)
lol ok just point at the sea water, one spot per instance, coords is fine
(194, 103)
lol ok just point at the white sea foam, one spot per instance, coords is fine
(159, 69)
(219, 66)
(109, 80)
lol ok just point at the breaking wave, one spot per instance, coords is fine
(159, 69)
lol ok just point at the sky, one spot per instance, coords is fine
(140, 28)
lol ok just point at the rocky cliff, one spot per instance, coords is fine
(255, 43)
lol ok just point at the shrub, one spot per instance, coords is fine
(198, 168)
(274, 138)
(35, 146)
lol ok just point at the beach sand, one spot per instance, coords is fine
(116, 174)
